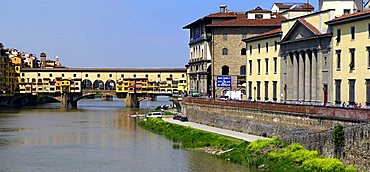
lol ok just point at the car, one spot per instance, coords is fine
(154, 115)
(224, 98)
(180, 118)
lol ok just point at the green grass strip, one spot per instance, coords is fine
(269, 155)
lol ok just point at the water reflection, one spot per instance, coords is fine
(92, 138)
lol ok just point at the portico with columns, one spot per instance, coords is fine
(306, 72)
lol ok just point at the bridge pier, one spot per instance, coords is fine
(132, 101)
(68, 99)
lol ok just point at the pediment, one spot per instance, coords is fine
(301, 30)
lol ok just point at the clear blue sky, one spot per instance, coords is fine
(109, 33)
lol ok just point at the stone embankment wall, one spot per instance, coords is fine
(291, 123)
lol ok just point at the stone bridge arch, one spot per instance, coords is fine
(110, 85)
(98, 85)
(86, 84)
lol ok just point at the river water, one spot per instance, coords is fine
(98, 136)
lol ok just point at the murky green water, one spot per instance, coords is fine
(98, 136)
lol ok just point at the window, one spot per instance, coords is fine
(38, 74)
(368, 30)
(159, 75)
(351, 91)
(74, 75)
(224, 51)
(275, 65)
(367, 92)
(266, 90)
(98, 75)
(225, 36)
(250, 67)
(267, 65)
(258, 90)
(274, 90)
(259, 48)
(346, 11)
(275, 45)
(22, 74)
(339, 34)
(50, 75)
(134, 75)
(170, 75)
(110, 75)
(258, 16)
(267, 47)
(259, 66)
(368, 57)
(183, 75)
(86, 75)
(338, 58)
(62, 74)
(353, 32)
(337, 91)
(250, 90)
(352, 63)
(146, 75)
(243, 51)
(243, 70)
(225, 70)
(250, 49)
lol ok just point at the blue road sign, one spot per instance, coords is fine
(223, 81)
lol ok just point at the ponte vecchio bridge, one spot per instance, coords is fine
(68, 85)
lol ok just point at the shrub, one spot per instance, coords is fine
(324, 165)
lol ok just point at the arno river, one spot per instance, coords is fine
(98, 136)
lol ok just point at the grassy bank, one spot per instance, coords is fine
(270, 155)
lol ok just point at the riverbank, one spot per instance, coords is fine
(270, 155)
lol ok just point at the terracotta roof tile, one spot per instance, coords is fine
(243, 21)
(268, 33)
(263, 35)
(222, 15)
(310, 26)
(283, 6)
(301, 7)
(258, 11)
(349, 16)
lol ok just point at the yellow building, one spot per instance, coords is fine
(122, 80)
(2, 72)
(351, 58)
(263, 62)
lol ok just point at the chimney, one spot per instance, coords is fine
(223, 8)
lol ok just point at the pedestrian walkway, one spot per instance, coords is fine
(234, 134)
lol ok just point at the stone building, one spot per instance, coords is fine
(200, 50)
(229, 51)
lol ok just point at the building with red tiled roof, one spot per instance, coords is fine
(281, 7)
(216, 40)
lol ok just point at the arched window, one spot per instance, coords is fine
(225, 51)
(243, 51)
(243, 70)
(225, 70)
(22, 80)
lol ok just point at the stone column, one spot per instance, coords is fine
(295, 77)
(319, 88)
(301, 79)
(289, 79)
(307, 74)
(314, 76)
